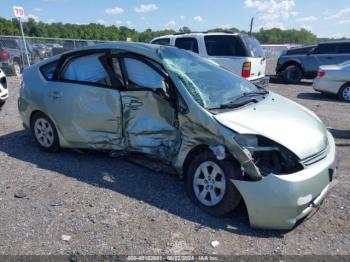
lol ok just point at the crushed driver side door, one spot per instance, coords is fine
(149, 119)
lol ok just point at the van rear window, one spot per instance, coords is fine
(224, 45)
(253, 46)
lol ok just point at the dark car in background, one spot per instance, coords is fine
(10, 57)
(34, 57)
(298, 63)
(42, 51)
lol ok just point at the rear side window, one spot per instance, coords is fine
(326, 49)
(48, 70)
(253, 46)
(187, 43)
(163, 41)
(224, 45)
(87, 69)
(299, 51)
(344, 48)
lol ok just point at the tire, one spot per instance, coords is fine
(45, 133)
(17, 68)
(224, 201)
(2, 103)
(292, 74)
(344, 93)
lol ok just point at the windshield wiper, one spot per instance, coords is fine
(241, 100)
(236, 103)
(256, 93)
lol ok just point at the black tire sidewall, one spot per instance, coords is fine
(55, 145)
(286, 74)
(231, 197)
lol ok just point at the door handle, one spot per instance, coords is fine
(134, 104)
(56, 95)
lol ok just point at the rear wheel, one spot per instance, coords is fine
(1, 104)
(45, 133)
(344, 93)
(292, 74)
(208, 184)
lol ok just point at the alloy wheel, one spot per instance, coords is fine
(209, 183)
(44, 132)
(346, 93)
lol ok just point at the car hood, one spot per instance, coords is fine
(282, 121)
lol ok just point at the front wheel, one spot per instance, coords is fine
(344, 93)
(208, 184)
(45, 133)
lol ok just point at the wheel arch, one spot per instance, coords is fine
(292, 62)
(199, 149)
(62, 141)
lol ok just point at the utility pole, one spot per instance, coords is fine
(24, 41)
(251, 26)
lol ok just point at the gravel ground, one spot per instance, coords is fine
(112, 206)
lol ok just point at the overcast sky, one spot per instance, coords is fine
(323, 17)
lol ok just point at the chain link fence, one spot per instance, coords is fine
(13, 58)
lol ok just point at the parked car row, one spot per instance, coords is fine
(13, 57)
(326, 63)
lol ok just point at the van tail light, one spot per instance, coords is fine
(246, 69)
(320, 73)
(5, 55)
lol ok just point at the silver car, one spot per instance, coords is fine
(229, 139)
(334, 79)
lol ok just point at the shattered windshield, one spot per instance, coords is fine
(209, 84)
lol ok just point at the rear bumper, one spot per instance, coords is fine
(261, 82)
(326, 86)
(279, 201)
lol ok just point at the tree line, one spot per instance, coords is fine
(120, 33)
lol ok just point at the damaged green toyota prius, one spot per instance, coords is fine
(229, 139)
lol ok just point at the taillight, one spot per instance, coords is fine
(5, 55)
(320, 73)
(246, 69)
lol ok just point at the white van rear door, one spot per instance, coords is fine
(256, 58)
(234, 64)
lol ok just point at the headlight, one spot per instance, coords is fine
(269, 156)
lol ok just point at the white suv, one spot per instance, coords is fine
(3, 89)
(239, 53)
